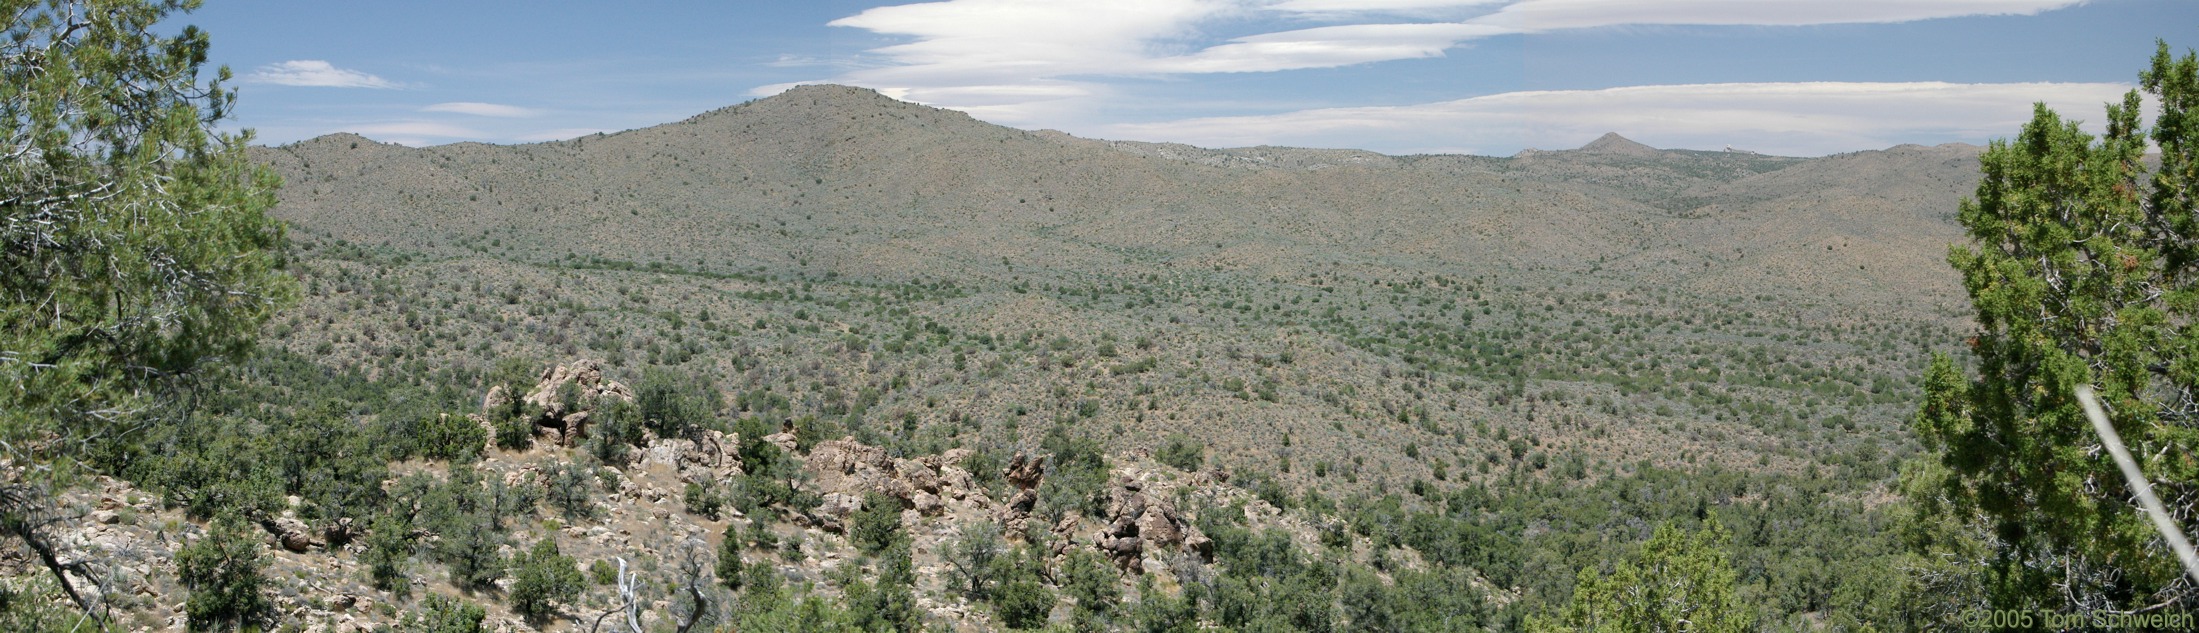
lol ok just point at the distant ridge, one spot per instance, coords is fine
(849, 181)
(1612, 143)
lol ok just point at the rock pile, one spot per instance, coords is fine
(845, 470)
(1024, 472)
(1140, 522)
(705, 456)
(561, 400)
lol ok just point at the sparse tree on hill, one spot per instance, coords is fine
(541, 577)
(2084, 270)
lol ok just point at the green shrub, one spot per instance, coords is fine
(971, 560)
(878, 525)
(470, 550)
(439, 614)
(223, 571)
(1022, 604)
(453, 438)
(613, 430)
(890, 604)
(1076, 481)
(704, 500)
(514, 430)
(673, 405)
(731, 571)
(542, 576)
(1182, 452)
(388, 547)
(570, 488)
(1093, 583)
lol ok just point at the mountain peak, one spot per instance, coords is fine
(1612, 143)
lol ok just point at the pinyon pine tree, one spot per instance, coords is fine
(2084, 269)
(134, 243)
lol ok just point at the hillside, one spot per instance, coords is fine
(1368, 375)
(834, 179)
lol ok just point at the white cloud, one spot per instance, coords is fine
(1051, 62)
(1325, 8)
(314, 72)
(1544, 15)
(481, 109)
(1326, 47)
(1782, 118)
(994, 53)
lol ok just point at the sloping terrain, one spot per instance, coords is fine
(1428, 370)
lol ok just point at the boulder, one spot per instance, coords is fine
(917, 474)
(1196, 542)
(293, 535)
(927, 504)
(785, 441)
(1155, 525)
(1025, 471)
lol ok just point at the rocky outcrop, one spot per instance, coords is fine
(1023, 472)
(1139, 522)
(706, 456)
(844, 470)
(561, 401)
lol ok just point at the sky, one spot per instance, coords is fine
(1490, 77)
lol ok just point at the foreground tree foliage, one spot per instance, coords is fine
(134, 243)
(2084, 270)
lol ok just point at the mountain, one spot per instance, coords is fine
(1428, 390)
(831, 178)
(1612, 143)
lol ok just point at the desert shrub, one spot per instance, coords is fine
(35, 604)
(614, 429)
(972, 569)
(467, 521)
(1076, 481)
(985, 465)
(1181, 452)
(570, 487)
(673, 405)
(514, 429)
(1157, 612)
(542, 576)
(223, 571)
(470, 550)
(1022, 604)
(731, 571)
(388, 548)
(453, 438)
(878, 525)
(704, 500)
(440, 614)
(1093, 583)
(890, 603)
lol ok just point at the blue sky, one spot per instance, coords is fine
(1796, 77)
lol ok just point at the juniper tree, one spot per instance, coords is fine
(2083, 269)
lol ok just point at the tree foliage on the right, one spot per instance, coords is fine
(2084, 269)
